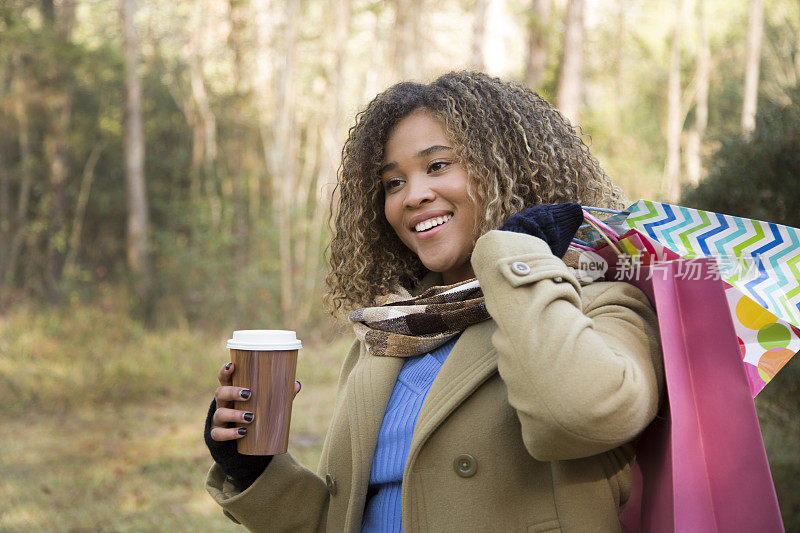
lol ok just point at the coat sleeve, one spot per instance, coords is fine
(286, 496)
(582, 365)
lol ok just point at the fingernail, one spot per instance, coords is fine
(228, 366)
(248, 417)
(301, 386)
(242, 431)
(245, 394)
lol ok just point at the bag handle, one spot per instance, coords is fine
(605, 231)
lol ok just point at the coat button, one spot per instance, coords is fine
(331, 482)
(465, 465)
(520, 268)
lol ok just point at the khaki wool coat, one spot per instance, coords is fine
(527, 426)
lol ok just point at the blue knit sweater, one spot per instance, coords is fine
(383, 508)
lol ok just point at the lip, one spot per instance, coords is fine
(416, 219)
(429, 234)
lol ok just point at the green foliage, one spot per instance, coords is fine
(758, 177)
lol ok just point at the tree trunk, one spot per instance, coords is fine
(280, 155)
(201, 119)
(5, 208)
(570, 80)
(239, 13)
(672, 177)
(619, 68)
(694, 165)
(20, 89)
(755, 31)
(138, 251)
(5, 173)
(332, 141)
(406, 46)
(57, 148)
(70, 264)
(57, 153)
(477, 60)
(538, 27)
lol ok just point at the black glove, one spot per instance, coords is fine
(555, 224)
(243, 469)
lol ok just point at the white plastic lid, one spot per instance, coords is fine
(264, 339)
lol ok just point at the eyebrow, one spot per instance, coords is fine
(422, 153)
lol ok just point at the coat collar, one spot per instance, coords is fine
(370, 383)
(472, 361)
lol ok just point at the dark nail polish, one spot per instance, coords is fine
(301, 386)
(228, 366)
(242, 431)
(248, 417)
(245, 394)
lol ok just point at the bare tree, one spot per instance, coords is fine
(60, 21)
(619, 66)
(406, 41)
(694, 167)
(201, 117)
(755, 32)
(70, 263)
(477, 59)
(5, 170)
(672, 171)
(196, 107)
(20, 90)
(780, 57)
(331, 141)
(239, 12)
(570, 80)
(280, 155)
(5, 204)
(138, 252)
(536, 60)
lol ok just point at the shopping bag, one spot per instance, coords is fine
(701, 464)
(761, 259)
(766, 342)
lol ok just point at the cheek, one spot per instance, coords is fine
(393, 215)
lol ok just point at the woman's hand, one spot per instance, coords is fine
(226, 415)
(555, 224)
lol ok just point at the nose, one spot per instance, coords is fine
(418, 191)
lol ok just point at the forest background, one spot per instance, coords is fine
(166, 170)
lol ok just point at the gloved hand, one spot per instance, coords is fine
(243, 469)
(555, 224)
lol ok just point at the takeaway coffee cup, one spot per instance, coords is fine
(265, 361)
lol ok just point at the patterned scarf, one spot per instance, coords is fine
(405, 326)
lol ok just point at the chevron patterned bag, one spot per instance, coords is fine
(761, 259)
(759, 263)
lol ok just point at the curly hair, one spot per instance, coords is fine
(517, 149)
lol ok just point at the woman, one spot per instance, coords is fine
(488, 389)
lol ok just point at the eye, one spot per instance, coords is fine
(438, 166)
(391, 184)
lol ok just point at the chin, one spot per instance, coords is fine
(437, 266)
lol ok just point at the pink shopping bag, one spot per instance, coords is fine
(702, 465)
(753, 322)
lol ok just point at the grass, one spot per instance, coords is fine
(106, 430)
(102, 422)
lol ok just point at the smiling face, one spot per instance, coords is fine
(426, 196)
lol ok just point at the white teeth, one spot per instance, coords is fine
(431, 222)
